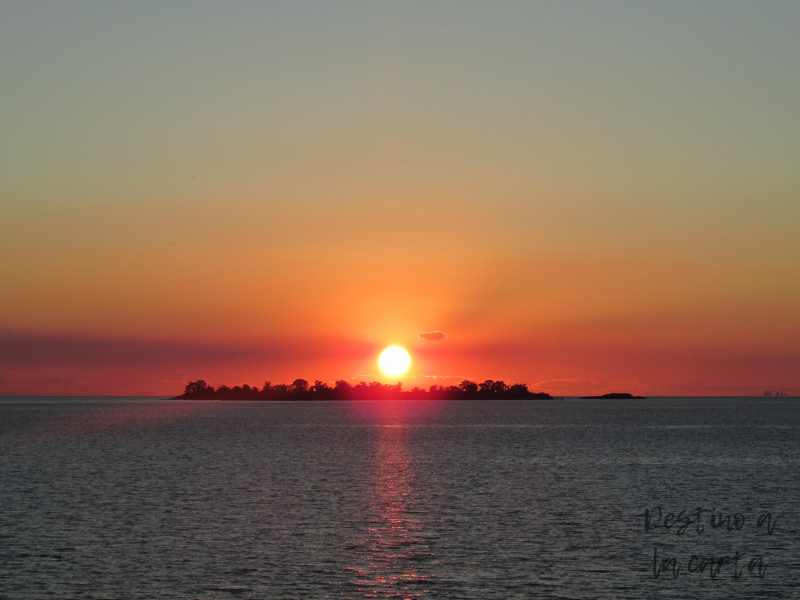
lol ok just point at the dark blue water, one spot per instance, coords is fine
(146, 498)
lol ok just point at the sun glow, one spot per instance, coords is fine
(394, 360)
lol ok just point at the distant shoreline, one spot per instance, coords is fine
(614, 396)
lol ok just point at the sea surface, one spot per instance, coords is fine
(151, 498)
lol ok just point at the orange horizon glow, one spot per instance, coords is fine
(561, 367)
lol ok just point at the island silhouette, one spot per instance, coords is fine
(300, 389)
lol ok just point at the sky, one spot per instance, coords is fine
(583, 197)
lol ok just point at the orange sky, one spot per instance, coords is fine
(582, 200)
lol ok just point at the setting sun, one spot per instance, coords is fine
(394, 360)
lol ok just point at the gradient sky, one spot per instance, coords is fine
(584, 197)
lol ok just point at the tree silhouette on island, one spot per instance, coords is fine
(300, 389)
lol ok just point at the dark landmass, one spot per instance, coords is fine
(342, 390)
(614, 396)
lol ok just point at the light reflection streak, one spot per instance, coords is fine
(394, 554)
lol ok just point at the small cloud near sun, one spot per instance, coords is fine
(434, 336)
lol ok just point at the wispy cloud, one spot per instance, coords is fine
(433, 336)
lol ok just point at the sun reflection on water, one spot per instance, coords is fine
(394, 555)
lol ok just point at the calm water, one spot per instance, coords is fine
(146, 498)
